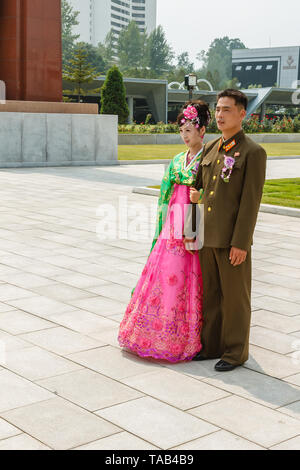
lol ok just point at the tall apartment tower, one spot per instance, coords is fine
(97, 17)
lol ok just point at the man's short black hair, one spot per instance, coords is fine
(239, 97)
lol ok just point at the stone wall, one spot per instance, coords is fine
(28, 139)
(167, 139)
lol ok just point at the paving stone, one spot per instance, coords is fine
(293, 379)
(271, 363)
(109, 336)
(113, 363)
(7, 430)
(22, 442)
(60, 424)
(120, 441)
(17, 392)
(279, 269)
(100, 305)
(277, 306)
(273, 428)
(175, 389)
(256, 387)
(293, 409)
(273, 340)
(10, 292)
(27, 281)
(8, 343)
(41, 306)
(156, 422)
(124, 279)
(275, 321)
(90, 390)
(290, 444)
(220, 440)
(197, 370)
(295, 263)
(81, 281)
(277, 279)
(84, 322)
(17, 322)
(34, 363)
(113, 291)
(61, 340)
(61, 292)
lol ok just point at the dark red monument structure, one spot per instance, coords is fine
(31, 50)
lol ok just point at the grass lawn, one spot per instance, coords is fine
(149, 152)
(282, 192)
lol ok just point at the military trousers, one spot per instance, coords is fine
(226, 306)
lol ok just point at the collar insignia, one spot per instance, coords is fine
(226, 147)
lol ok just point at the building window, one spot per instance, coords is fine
(123, 4)
(238, 67)
(113, 23)
(248, 67)
(120, 18)
(269, 67)
(138, 15)
(258, 67)
(119, 10)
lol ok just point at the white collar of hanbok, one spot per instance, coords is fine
(187, 167)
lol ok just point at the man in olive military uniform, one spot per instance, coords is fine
(232, 175)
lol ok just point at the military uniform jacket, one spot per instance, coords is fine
(231, 208)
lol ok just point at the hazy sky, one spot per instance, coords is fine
(191, 25)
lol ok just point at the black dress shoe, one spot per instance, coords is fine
(223, 366)
(199, 357)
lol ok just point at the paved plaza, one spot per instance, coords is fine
(65, 382)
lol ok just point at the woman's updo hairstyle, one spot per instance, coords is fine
(203, 114)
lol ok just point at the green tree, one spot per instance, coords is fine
(108, 50)
(79, 71)
(113, 95)
(159, 54)
(217, 61)
(94, 57)
(131, 45)
(69, 20)
(183, 62)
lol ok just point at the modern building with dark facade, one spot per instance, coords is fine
(268, 67)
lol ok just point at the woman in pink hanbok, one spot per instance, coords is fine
(164, 317)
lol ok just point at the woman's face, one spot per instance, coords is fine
(191, 136)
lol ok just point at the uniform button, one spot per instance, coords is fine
(218, 162)
(214, 178)
(209, 209)
(212, 193)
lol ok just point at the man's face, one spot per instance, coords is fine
(228, 114)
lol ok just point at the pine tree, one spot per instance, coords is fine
(113, 95)
(159, 53)
(79, 71)
(130, 47)
(68, 20)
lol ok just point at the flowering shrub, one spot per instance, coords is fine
(252, 125)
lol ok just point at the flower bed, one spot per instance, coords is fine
(252, 125)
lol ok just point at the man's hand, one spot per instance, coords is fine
(237, 256)
(194, 195)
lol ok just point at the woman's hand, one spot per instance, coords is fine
(194, 195)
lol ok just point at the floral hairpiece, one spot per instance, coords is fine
(191, 114)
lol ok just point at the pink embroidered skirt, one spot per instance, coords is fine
(164, 317)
